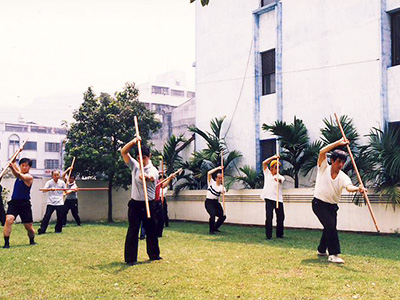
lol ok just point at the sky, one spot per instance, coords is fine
(51, 51)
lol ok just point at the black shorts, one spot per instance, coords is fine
(22, 208)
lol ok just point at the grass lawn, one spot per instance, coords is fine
(87, 263)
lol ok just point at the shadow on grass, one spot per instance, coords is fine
(357, 244)
(117, 266)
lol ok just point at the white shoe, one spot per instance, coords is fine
(322, 253)
(335, 259)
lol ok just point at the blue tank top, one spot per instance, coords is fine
(21, 190)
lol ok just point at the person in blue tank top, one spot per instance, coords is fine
(20, 204)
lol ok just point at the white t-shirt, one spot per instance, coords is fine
(137, 183)
(328, 189)
(55, 197)
(214, 190)
(270, 185)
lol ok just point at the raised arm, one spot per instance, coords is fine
(125, 150)
(65, 173)
(266, 162)
(327, 148)
(212, 171)
(26, 178)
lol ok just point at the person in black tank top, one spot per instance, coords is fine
(2, 212)
(20, 204)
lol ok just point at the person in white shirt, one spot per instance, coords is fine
(271, 180)
(330, 182)
(55, 202)
(212, 205)
(137, 207)
(71, 198)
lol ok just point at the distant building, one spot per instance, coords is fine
(44, 146)
(173, 102)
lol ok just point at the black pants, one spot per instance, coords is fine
(270, 206)
(159, 219)
(327, 215)
(137, 214)
(2, 212)
(49, 211)
(165, 212)
(214, 209)
(71, 204)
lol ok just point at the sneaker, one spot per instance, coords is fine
(322, 253)
(6, 247)
(335, 259)
(156, 258)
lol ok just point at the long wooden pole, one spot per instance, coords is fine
(170, 176)
(16, 153)
(78, 189)
(358, 174)
(277, 174)
(72, 167)
(223, 180)
(139, 145)
(162, 174)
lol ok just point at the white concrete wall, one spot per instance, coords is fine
(394, 93)
(392, 5)
(245, 207)
(224, 40)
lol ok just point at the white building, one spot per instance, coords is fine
(44, 145)
(163, 95)
(258, 61)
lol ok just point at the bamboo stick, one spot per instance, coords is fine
(78, 189)
(223, 185)
(72, 167)
(139, 144)
(162, 174)
(16, 153)
(277, 174)
(170, 176)
(358, 174)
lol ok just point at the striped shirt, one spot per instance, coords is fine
(214, 190)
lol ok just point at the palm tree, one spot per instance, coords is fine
(296, 145)
(195, 175)
(251, 179)
(384, 156)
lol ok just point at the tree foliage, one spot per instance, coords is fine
(103, 124)
(203, 2)
(196, 168)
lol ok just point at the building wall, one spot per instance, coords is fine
(334, 59)
(40, 154)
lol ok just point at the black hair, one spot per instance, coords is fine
(25, 160)
(338, 154)
(214, 175)
(55, 170)
(145, 151)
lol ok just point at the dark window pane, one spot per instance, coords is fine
(268, 148)
(268, 72)
(395, 29)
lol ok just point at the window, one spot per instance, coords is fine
(51, 164)
(190, 94)
(13, 145)
(177, 93)
(266, 2)
(395, 31)
(159, 90)
(52, 147)
(30, 146)
(39, 129)
(33, 163)
(268, 148)
(268, 72)
(16, 128)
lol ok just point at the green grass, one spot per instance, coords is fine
(87, 263)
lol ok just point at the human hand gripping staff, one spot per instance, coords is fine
(362, 189)
(14, 157)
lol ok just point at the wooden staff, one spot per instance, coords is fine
(277, 174)
(223, 187)
(170, 176)
(12, 159)
(78, 189)
(162, 174)
(72, 167)
(139, 145)
(358, 174)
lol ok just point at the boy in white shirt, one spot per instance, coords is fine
(271, 180)
(212, 205)
(330, 182)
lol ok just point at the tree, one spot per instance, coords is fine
(384, 155)
(296, 145)
(251, 179)
(195, 174)
(102, 125)
(203, 2)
